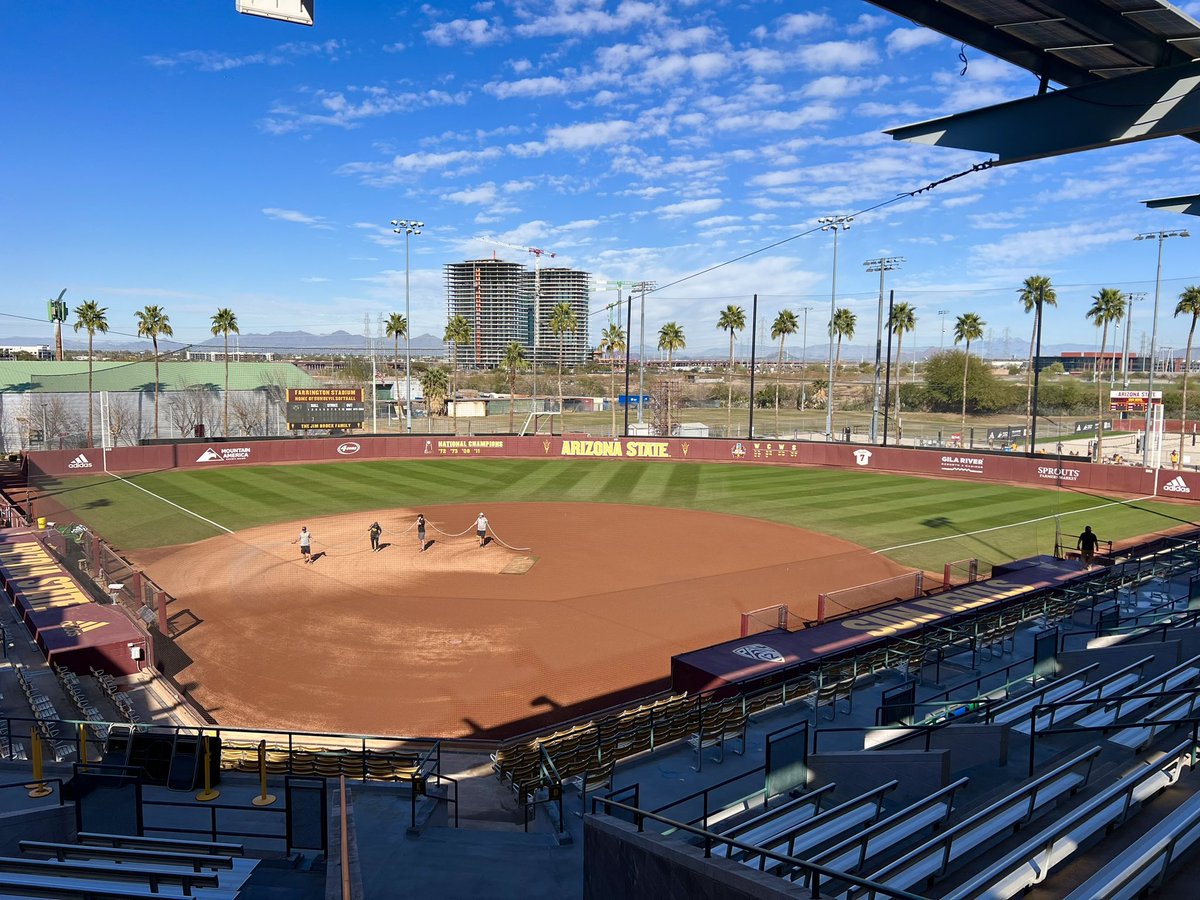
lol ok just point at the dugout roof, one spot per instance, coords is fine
(1127, 67)
(71, 376)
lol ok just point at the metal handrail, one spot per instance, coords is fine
(813, 870)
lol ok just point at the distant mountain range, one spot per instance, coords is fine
(290, 343)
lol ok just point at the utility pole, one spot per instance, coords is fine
(1136, 295)
(882, 265)
(642, 287)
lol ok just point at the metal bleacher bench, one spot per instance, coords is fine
(1032, 861)
(770, 822)
(107, 874)
(136, 842)
(992, 823)
(1174, 679)
(66, 888)
(197, 861)
(1020, 707)
(1114, 683)
(1144, 864)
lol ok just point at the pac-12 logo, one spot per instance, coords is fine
(759, 653)
(349, 448)
(738, 450)
(862, 457)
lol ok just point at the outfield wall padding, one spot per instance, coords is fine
(1041, 471)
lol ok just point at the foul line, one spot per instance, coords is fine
(168, 502)
(953, 537)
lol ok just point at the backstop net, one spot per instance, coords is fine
(766, 619)
(834, 604)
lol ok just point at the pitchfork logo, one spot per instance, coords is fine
(759, 653)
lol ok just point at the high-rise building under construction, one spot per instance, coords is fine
(497, 298)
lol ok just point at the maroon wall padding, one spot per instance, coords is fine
(86, 635)
(973, 466)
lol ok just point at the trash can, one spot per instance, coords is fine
(41, 523)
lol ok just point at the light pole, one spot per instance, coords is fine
(1139, 295)
(1159, 236)
(881, 265)
(804, 357)
(408, 228)
(943, 313)
(834, 224)
(642, 287)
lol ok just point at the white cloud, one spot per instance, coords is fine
(905, 40)
(836, 87)
(313, 279)
(834, 55)
(1040, 247)
(216, 61)
(690, 207)
(483, 195)
(574, 18)
(797, 25)
(292, 215)
(400, 168)
(527, 87)
(476, 32)
(335, 108)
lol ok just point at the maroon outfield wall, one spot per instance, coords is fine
(1042, 471)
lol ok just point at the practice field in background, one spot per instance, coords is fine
(915, 521)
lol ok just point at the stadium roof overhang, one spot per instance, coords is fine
(1127, 70)
(1189, 205)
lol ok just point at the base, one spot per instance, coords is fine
(262, 800)
(40, 790)
(205, 796)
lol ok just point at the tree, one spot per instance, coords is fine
(224, 322)
(967, 327)
(151, 322)
(785, 324)
(732, 319)
(562, 322)
(1108, 306)
(903, 319)
(397, 327)
(1033, 287)
(840, 326)
(612, 344)
(433, 387)
(513, 362)
(670, 338)
(457, 332)
(1189, 304)
(90, 317)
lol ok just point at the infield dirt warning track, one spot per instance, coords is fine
(460, 641)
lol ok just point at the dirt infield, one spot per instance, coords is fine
(453, 642)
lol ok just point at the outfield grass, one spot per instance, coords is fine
(875, 510)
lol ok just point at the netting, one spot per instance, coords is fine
(959, 572)
(864, 596)
(768, 618)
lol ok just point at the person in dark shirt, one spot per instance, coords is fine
(375, 531)
(1087, 546)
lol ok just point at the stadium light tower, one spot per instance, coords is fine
(1130, 298)
(882, 265)
(834, 224)
(1159, 236)
(408, 228)
(641, 287)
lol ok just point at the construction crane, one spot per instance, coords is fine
(537, 253)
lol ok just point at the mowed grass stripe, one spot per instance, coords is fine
(872, 509)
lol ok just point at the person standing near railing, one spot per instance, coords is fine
(1086, 545)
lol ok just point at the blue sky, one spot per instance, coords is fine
(185, 155)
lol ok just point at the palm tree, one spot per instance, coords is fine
(457, 332)
(903, 318)
(612, 344)
(732, 319)
(841, 326)
(1030, 289)
(151, 322)
(90, 317)
(433, 388)
(670, 338)
(1108, 306)
(562, 322)
(1189, 304)
(785, 324)
(967, 327)
(224, 322)
(513, 362)
(397, 327)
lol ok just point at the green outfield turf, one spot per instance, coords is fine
(942, 519)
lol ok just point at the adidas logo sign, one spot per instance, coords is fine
(209, 455)
(1177, 486)
(79, 462)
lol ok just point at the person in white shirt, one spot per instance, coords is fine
(305, 541)
(481, 527)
